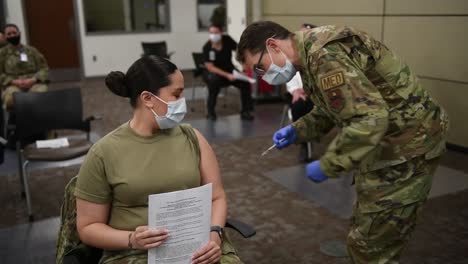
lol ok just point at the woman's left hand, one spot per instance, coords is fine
(210, 253)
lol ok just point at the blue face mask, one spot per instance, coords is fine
(276, 75)
(176, 111)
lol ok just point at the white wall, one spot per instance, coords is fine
(236, 18)
(119, 51)
(14, 14)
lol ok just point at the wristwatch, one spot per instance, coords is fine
(218, 230)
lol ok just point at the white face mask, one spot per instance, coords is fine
(215, 37)
(176, 111)
(276, 75)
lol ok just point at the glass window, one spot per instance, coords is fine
(115, 16)
(211, 12)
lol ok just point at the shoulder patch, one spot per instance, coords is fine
(336, 100)
(331, 81)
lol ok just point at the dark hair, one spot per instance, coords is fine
(149, 73)
(10, 25)
(254, 36)
(218, 26)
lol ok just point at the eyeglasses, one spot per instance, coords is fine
(258, 70)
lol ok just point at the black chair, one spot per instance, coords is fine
(200, 69)
(286, 118)
(156, 48)
(197, 73)
(37, 113)
(69, 248)
(3, 141)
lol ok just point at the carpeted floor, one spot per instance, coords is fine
(289, 227)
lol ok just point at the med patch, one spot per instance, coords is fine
(331, 81)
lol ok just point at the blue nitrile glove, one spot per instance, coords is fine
(284, 137)
(314, 173)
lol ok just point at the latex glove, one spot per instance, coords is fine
(314, 173)
(284, 137)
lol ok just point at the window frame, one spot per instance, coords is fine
(133, 32)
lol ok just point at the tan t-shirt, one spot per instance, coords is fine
(123, 168)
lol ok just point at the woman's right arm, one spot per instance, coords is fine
(93, 230)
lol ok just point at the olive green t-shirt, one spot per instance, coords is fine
(123, 168)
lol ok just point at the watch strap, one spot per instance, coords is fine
(218, 230)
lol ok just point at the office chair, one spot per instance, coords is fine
(156, 48)
(2, 134)
(199, 61)
(286, 118)
(197, 73)
(43, 112)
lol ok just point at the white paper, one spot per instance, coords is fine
(23, 57)
(53, 143)
(186, 215)
(243, 77)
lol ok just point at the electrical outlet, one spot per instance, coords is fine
(94, 58)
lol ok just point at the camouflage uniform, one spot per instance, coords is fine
(391, 133)
(11, 68)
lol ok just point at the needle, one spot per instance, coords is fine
(270, 148)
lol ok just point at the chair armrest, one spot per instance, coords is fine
(82, 254)
(93, 117)
(244, 229)
(3, 141)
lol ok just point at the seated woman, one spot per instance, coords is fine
(151, 153)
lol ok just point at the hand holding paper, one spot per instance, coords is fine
(186, 215)
(242, 77)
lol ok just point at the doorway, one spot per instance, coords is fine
(52, 30)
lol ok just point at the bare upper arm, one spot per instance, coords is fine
(88, 213)
(209, 168)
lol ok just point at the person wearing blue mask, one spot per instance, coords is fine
(151, 153)
(391, 132)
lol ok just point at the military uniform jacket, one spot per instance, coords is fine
(14, 65)
(384, 115)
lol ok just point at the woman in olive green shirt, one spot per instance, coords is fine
(150, 154)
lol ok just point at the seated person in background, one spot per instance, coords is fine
(3, 41)
(22, 68)
(300, 103)
(218, 62)
(152, 153)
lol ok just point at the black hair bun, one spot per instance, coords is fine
(115, 81)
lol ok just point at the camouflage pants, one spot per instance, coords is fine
(380, 237)
(7, 95)
(229, 255)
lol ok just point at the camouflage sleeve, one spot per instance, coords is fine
(358, 108)
(5, 79)
(312, 126)
(43, 70)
